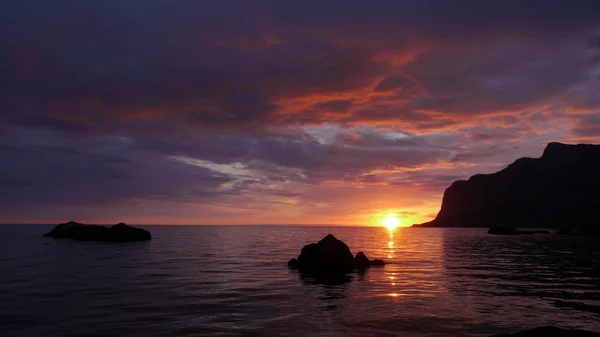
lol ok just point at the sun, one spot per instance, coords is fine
(391, 222)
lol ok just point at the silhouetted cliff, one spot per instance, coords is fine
(560, 188)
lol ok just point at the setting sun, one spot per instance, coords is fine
(391, 222)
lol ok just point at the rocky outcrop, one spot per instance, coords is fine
(551, 331)
(82, 232)
(330, 256)
(559, 188)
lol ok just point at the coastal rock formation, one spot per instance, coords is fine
(330, 256)
(82, 232)
(559, 188)
(551, 331)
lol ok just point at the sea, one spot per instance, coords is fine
(234, 281)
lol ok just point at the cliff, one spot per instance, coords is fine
(562, 187)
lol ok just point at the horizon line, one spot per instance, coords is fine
(249, 224)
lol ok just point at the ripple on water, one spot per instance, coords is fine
(233, 281)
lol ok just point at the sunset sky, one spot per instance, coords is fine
(281, 112)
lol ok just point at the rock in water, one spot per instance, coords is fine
(330, 256)
(561, 187)
(82, 232)
(361, 261)
(377, 263)
(548, 331)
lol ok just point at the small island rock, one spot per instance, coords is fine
(330, 256)
(327, 255)
(82, 232)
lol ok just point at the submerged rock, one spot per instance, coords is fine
(330, 256)
(551, 331)
(82, 232)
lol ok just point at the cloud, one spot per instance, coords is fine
(241, 104)
(395, 82)
(588, 125)
(49, 168)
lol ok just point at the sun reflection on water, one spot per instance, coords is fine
(391, 245)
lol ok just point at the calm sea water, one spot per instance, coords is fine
(233, 281)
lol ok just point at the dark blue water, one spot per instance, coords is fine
(233, 281)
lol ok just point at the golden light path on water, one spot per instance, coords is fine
(390, 256)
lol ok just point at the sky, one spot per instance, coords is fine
(281, 112)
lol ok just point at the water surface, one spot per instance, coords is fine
(233, 281)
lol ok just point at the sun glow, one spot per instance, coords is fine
(391, 222)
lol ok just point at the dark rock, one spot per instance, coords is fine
(293, 264)
(551, 331)
(377, 263)
(329, 258)
(328, 255)
(561, 187)
(361, 261)
(82, 232)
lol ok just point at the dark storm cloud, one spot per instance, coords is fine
(47, 167)
(109, 60)
(451, 16)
